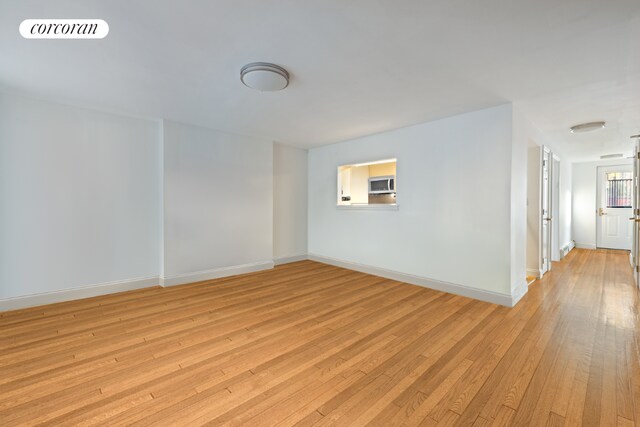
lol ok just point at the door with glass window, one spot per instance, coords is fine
(614, 207)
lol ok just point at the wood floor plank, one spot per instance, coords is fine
(554, 420)
(312, 344)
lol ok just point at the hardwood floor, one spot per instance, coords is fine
(311, 344)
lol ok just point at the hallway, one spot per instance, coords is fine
(585, 365)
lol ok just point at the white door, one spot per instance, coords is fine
(614, 207)
(545, 244)
(555, 208)
(635, 218)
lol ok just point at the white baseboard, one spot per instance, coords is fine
(288, 259)
(139, 283)
(519, 292)
(585, 245)
(564, 251)
(466, 291)
(216, 273)
(77, 293)
(131, 284)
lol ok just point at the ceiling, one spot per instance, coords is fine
(358, 67)
(615, 101)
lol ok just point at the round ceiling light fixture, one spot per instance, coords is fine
(587, 127)
(612, 156)
(264, 76)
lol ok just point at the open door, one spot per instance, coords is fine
(546, 218)
(615, 207)
(635, 218)
(555, 208)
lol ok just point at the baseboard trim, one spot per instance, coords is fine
(519, 292)
(585, 245)
(453, 288)
(288, 259)
(216, 273)
(567, 248)
(77, 293)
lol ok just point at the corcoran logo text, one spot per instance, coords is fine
(64, 29)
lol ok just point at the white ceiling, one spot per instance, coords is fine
(358, 67)
(615, 101)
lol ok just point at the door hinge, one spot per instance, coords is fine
(638, 155)
(637, 268)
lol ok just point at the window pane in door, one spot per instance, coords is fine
(619, 189)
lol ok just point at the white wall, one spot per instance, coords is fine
(518, 205)
(584, 182)
(565, 203)
(535, 139)
(92, 203)
(79, 198)
(289, 202)
(218, 202)
(454, 221)
(90, 198)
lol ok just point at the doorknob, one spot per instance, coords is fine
(634, 219)
(547, 219)
(601, 212)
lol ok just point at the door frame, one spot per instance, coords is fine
(555, 208)
(635, 244)
(598, 199)
(546, 155)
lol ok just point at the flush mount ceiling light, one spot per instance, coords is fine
(264, 76)
(612, 156)
(587, 127)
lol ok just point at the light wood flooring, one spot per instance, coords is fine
(312, 344)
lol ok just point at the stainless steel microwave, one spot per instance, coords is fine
(382, 184)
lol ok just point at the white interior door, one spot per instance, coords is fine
(555, 208)
(545, 240)
(635, 250)
(614, 207)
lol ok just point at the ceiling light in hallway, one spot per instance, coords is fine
(612, 156)
(587, 127)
